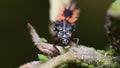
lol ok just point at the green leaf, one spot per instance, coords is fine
(64, 66)
(114, 9)
(84, 64)
(115, 65)
(43, 40)
(101, 51)
(66, 47)
(42, 57)
(110, 53)
(78, 61)
(90, 66)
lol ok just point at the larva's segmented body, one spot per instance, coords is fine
(65, 23)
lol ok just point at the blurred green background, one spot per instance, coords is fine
(16, 46)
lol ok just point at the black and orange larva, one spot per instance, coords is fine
(65, 23)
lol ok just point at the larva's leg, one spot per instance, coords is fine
(57, 51)
(76, 40)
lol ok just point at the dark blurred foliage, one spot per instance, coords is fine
(16, 46)
(112, 27)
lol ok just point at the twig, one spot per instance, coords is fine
(42, 46)
(84, 54)
(32, 64)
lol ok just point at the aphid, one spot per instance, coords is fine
(65, 23)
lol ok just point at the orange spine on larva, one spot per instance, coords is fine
(60, 14)
(72, 18)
